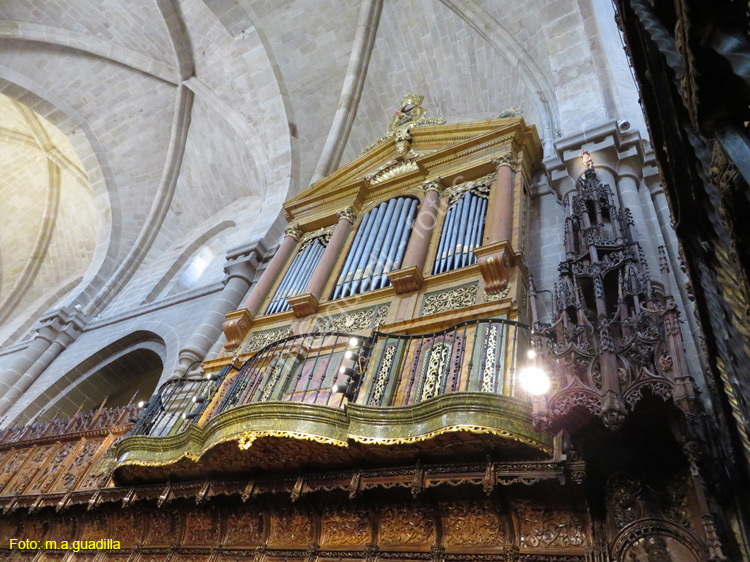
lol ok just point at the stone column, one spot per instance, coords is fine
(57, 332)
(409, 277)
(496, 257)
(240, 268)
(307, 303)
(628, 180)
(239, 321)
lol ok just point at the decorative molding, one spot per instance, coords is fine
(294, 231)
(348, 213)
(495, 262)
(303, 304)
(450, 299)
(259, 340)
(479, 187)
(237, 325)
(406, 280)
(362, 319)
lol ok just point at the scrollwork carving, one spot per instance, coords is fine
(472, 524)
(406, 525)
(542, 527)
(343, 527)
(451, 299)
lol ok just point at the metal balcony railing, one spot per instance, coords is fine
(331, 369)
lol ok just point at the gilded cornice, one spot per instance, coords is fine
(451, 144)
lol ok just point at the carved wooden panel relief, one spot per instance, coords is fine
(128, 526)
(12, 465)
(162, 528)
(201, 527)
(291, 527)
(51, 469)
(244, 527)
(94, 526)
(64, 528)
(543, 527)
(34, 528)
(79, 466)
(471, 524)
(345, 527)
(406, 526)
(31, 459)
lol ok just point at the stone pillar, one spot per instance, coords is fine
(239, 321)
(240, 268)
(409, 277)
(496, 257)
(628, 181)
(307, 303)
(55, 334)
(681, 282)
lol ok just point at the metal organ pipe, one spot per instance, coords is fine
(462, 231)
(378, 248)
(470, 226)
(397, 246)
(349, 258)
(442, 244)
(406, 227)
(373, 256)
(297, 276)
(448, 232)
(360, 261)
(390, 226)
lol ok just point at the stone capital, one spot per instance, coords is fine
(241, 268)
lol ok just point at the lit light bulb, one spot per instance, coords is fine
(142, 404)
(534, 380)
(531, 354)
(354, 342)
(349, 354)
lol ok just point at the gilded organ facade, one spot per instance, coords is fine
(372, 399)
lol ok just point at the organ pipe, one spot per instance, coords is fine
(379, 246)
(462, 231)
(297, 276)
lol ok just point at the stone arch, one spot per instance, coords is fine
(191, 250)
(141, 354)
(96, 167)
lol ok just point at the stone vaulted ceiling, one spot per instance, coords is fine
(133, 133)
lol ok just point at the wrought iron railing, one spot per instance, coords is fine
(335, 368)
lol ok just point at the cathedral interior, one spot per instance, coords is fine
(374, 281)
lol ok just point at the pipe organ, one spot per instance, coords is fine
(463, 229)
(378, 247)
(401, 424)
